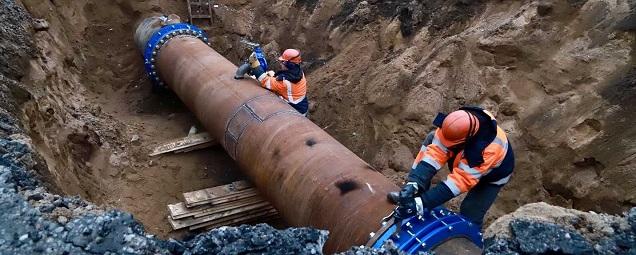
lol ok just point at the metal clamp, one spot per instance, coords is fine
(159, 39)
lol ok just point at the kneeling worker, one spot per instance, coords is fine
(289, 83)
(479, 156)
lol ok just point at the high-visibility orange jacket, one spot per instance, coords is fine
(488, 157)
(463, 177)
(293, 93)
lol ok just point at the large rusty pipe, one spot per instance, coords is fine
(308, 176)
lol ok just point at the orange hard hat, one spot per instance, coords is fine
(291, 55)
(457, 127)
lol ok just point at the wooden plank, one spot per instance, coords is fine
(224, 199)
(187, 222)
(200, 140)
(248, 216)
(180, 210)
(179, 224)
(203, 196)
(192, 199)
(219, 190)
(210, 193)
(195, 148)
(227, 207)
(236, 220)
(229, 204)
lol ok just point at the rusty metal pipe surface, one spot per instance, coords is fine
(308, 176)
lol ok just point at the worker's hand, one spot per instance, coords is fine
(254, 63)
(409, 203)
(410, 188)
(409, 207)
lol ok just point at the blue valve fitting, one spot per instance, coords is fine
(423, 233)
(160, 38)
(260, 57)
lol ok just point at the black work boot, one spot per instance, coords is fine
(393, 197)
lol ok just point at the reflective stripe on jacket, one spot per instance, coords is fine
(293, 93)
(464, 177)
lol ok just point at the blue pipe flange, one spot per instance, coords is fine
(161, 37)
(425, 232)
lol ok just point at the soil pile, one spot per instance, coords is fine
(544, 229)
(259, 239)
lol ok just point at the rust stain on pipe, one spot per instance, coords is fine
(309, 177)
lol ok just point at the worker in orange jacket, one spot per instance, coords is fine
(289, 83)
(479, 156)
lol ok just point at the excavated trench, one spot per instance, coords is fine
(94, 119)
(378, 72)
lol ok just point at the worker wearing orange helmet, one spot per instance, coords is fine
(479, 156)
(289, 83)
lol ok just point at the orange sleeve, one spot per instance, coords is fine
(435, 154)
(272, 84)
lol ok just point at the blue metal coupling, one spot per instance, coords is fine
(423, 233)
(160, 38)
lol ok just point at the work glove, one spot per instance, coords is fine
(394, 196)
(410, 188)
(409, 208)
(254, 63)
(409, 203)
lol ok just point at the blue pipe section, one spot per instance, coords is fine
(161, 37)
(425, 232)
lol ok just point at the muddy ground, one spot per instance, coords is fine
(558, 75)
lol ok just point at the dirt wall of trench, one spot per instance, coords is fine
(559, 76)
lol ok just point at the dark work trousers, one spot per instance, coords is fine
(479, 198)
(478, 201)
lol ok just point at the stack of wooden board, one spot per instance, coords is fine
(228, 205)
